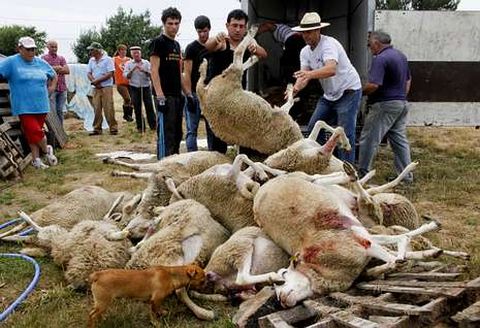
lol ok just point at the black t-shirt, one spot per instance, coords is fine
(168, 51)
(219, 60)
(195, 52)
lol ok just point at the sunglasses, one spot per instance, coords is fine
(29, 49)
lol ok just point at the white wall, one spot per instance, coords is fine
(438, 36)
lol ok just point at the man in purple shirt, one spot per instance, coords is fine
(387, 88)
(59, 97)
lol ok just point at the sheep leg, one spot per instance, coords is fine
(136, 175)
(290, 100)
(208, 297)
(199, 312)
(250, 62)
(242, 158)
(393, 183)
(173, 189)
(109, 160)
(426, 241)
(363, 196)
(244, 277)
(14, 230)
(367, 177)
(337, 134)
(115, 204)
(330, 179)
(403, 240)
(242, 47)
(268, 169)
(29, 220)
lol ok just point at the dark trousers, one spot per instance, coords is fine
(214, 142)
(169, 128)
(145, 94)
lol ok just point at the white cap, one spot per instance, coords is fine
(26, 42)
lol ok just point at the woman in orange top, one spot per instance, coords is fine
(121, 82)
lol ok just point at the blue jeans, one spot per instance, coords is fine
(57, 104)
(192, 119)
(169, 126)
(341, 112)
(386, 118)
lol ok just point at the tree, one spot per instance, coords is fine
(124, 27)
(10, 34)
(418, 4)
(84, 40)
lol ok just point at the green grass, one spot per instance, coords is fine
(447, 186)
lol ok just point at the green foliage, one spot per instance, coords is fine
(418, 4)
(9, 35)
(83, 41)
(123, 27)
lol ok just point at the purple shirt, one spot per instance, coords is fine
(55, 60)
(390, 72)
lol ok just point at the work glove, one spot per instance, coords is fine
(161, 104)
(191, 104)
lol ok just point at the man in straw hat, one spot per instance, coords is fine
(324, 58)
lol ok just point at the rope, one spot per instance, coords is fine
(29, 288)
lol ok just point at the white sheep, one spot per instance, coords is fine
(333, 246)
(248, 257)
(234, 113)
(89, 246)
(226, 191)
(308, 156)
(179, 168)
(85, 203)
(186, 233)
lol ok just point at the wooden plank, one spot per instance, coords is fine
(430, 276)
(283, 319)
(273, 320)
(437, 291)
(391, 322)
(469, 316)
(348, 319)
(5, 111)
(411, 283)
(4, 86)
(54, 125)
(373, 303)
(322, 309)
(324, 323)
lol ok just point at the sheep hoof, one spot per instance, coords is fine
(430, 219)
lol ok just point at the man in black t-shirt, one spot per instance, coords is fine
(166, 62)
(194, 55)
(220, 50)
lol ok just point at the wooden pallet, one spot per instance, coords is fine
(423, 299)
(12, 159)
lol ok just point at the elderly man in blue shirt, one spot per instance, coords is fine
(387, 88)
(100, 73)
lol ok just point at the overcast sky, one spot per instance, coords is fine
(65, 20)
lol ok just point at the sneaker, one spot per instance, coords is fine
(95, 133)
(51, 158)
(38, 164)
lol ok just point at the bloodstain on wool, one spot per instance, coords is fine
(365, 243)
(311, 253)
(329, 219)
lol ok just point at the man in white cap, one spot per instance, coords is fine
(324, 58)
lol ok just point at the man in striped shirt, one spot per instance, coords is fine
(58, 98)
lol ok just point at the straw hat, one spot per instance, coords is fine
(310, 21)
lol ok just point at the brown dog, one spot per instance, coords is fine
(153, 284)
